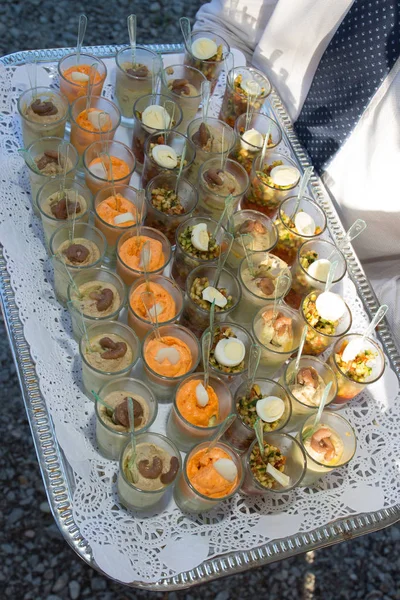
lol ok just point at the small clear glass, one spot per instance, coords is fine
(244, 152)
(74, 89)
(84, 281)
(261, 229)
(83, 133)
(236, 97)
(94, 378)
(122, 160)
(175, 140)
(186, 434)
(183, 84)
(36, 125)
(111, 438)
(130, 495)
(211, 69)
(212, 196)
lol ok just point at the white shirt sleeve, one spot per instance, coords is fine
(240, 22)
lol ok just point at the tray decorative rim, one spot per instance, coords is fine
(51, 461)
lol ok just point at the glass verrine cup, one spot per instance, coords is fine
(306, 279)
(210, 67)
(111, 434)
(285, 327)
(73, 88)
(261, 229)
(245, 152)
(184, 422)
(344, 432)
(186, 493)
(108, 207)
(129, 253)
(355, 376)
(244, 85)
(167, 294)
(98, 370)
(131, 495)
(289, 237)
(196, 310)
(212, 139)
(166, 209)
(133, 81)
(305, 399)
(215, 185)
(187, 257)
(164, 379)
(45, 150)
(183, 84)
(65, 269)
(91, 310)
(258, 286)
(258, 481)
(43, 112)
(231, 374)
(154, 166)
(322, 333)
(122, 161)
(83, 131)
(141, 131)
(264, 194)
(58, 207)
(241, 433)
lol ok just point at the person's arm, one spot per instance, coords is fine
(240, 22)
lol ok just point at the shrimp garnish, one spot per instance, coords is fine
(321, 443)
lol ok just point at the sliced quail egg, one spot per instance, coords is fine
(353, 348)
(281, 478)
(155, 117)
(97, 170)
(200, 237)
(226, 468)
(165, 156)
(304, 223)
(201, 395)
(251, 86)
(204, 48)
(98, 121)
(211, 293)
(319, 269)
(145, 257)
(270, 408)
(77, 76)
(285, 175)
(252, 140)
(156, 310)
(330, 306)
(170, 354)
(124, 218)
(230, 352)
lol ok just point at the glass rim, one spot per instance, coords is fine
(231, 325)
(200, 376)
(308, 200)
(281, 354)
(325, 335)
(182, 66)
(110, 316)
(181, 180)
(380, 354)
(258, 148)
(224, 125)
(165, 377)
(287, 269)
(208, 220)
(121, 179)
(92, 57)
(159, 97)
(335, 415)
(335, 248)
(177, 454)
(140, 47)
(135, 351)
(163, 239)
(50, 91)
(51, 218)
(287, 403)
(105, 223)
(146, 426)
(230, 81)
(166, 169)
(259, 217)
(99, 133)
(96, 231)
(225, 51)
(236, 165)
(284, 489)
(147, 321)
(229, 449)
(59, 141)
(203, 310)
(323, 364)
(285, 158)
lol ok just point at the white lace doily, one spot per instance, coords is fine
(130, 546)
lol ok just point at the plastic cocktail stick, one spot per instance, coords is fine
(300, 350)
(100, 401)
(228, 239)
(303, 184)
(131, 21)
(132, 461)
(265, 145)
(81, 34)
(254, 361)
(247, 241)
(205, 353)
(331, 275)
(205, 98)
(186, 31)
(259, 431)
(226, 423)
(149, 302)
(181, 165)
(92, 76)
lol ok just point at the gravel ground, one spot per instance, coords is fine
(36, 563)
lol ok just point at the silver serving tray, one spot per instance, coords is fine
(55, 470)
